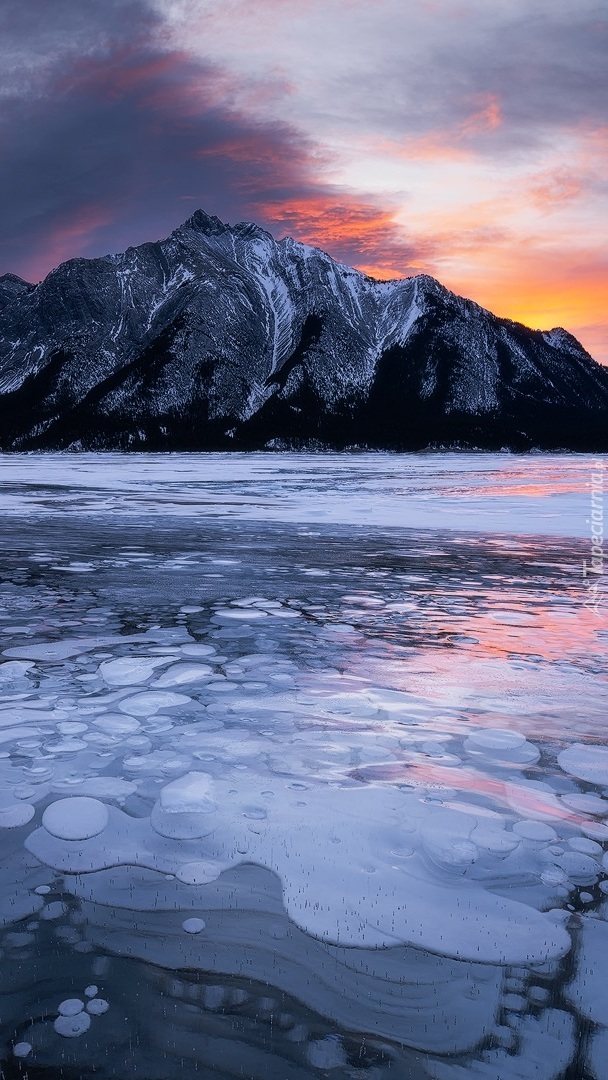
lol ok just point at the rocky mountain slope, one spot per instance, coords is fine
(220, 337)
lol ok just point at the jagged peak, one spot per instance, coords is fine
(208, 224)
(15, 281)
(563, 339)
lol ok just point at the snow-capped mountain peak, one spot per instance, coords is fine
(222, 336)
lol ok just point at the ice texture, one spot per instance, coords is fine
(365, 895)
(509, 493)
(360, 771)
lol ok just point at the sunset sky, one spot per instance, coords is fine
(462, 138)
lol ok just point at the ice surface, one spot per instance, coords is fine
(426, 490)
(362, 768)
(360, 879)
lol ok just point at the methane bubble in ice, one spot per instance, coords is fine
(130, 670)
(150, 702)
(72, 1026)
(193, 926)
(183, 674)
(22, 1049)
(497, 744)
(192, 793)
(70, 1007)
(198, 873)
(97, 1006)
(79, 818)
(588, 763)
(16, 814)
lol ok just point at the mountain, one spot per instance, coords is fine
(220, 337)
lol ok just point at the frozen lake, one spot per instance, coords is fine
(303, 768)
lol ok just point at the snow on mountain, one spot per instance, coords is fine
(220, 337)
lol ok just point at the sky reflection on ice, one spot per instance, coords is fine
(536, 493)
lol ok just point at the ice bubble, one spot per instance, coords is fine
(588, 847)
(16, 814)
(91, 991)
(246, 615)
(553, 876)
(158, 761)
(595, 830)
(499, 744)
(198, 873)
(182, 674)
(191, 793)
(72, 1026)
(97, 1006)
(535, 830)
(222, 685)
(130, 670)
(198, 650)
(22, 1049)
(181, 826)
(62, 650)
(66, 746)
(446, 836)
(79, 818)
(151, 702)
(43, 890)
(586, 804)
(115, 724)
(14, 669)
(193, 926)
(70, 1007)
(585, 762)
(581, 869)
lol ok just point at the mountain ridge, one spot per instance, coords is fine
(220, 337)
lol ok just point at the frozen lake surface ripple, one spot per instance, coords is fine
(303, 768)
